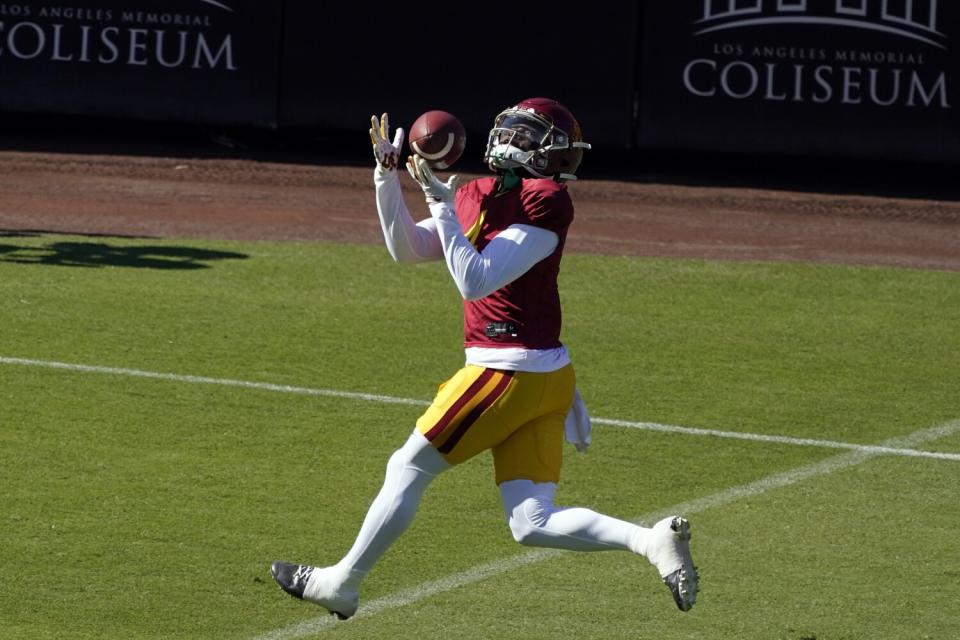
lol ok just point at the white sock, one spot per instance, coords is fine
(409, 472)
(535, 521)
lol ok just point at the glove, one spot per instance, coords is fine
(577, 426)
(387, 153)
(433, 189)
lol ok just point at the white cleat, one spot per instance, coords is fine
(669, 551)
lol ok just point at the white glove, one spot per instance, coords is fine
(577, 425)
(433, 189)
(387, 153)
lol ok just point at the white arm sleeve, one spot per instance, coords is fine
(507, 257)
(406, 241)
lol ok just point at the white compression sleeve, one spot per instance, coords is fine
(535, 521)
(507, 257)
(409, 472)
(406, 241)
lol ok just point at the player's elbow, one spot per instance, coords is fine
(404, 257)
(399, 258)
(471, 293)
(474, 292)
(474, 285)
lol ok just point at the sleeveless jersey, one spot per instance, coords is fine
(526, 312)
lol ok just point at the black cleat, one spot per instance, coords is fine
(292, 578)
(683, 588)
(670, 553)
(328, 591)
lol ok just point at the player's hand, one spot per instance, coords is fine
(387, 153)
(433, 189)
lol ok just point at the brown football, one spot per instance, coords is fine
(439, 138)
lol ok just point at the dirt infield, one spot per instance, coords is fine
(184, 194)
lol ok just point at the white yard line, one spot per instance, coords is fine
(226, 382)
(760, 437)
(898, 446)
(368, 397)
(691, 507)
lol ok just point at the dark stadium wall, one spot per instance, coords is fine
(857, 78)
(343, 62)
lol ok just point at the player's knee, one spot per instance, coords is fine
(403, 485)
(528, 520)
(397, 461)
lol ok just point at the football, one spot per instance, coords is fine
(439, 138)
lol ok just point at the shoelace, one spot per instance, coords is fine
(302, 573)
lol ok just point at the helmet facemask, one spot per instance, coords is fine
(522, 139)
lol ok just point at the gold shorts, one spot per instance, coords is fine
(518, 415)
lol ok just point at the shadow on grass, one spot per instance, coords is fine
(103, 254)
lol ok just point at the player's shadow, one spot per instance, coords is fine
(93, 254)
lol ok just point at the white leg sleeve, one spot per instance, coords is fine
(535, 521)
(409, 472)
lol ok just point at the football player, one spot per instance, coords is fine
(502, 238)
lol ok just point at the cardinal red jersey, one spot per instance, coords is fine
(526, 312)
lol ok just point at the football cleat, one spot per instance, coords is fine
(313, 585)
(670, 554)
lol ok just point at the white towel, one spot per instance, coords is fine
(577, 424)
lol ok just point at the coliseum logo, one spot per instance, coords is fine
(913, 19)
(891, 52)
(219, 5)
(198, 36)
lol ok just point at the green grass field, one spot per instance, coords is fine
(151, 507)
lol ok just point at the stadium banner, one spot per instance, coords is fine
(202, 61)
(857, 78)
